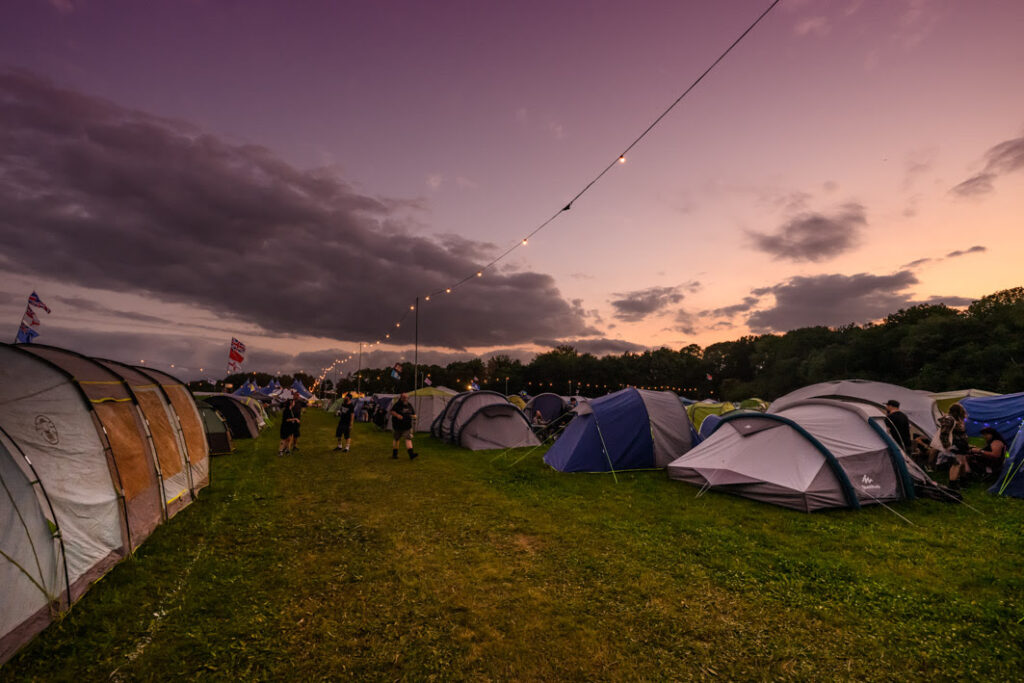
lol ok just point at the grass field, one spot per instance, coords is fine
(462, 566)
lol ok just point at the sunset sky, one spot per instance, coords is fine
(173, 174)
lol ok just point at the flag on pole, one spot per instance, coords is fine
(428, 381)
(396, 372)
(30, 320)
(34, 300)
(236, 356)
(26, 334)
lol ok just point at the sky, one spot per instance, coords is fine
(177, 173)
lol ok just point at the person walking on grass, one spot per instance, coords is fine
(402, 417)
(346, 416)
(289, 427)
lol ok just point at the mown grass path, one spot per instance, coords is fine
(326, 566)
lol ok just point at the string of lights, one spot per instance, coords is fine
(619, 160)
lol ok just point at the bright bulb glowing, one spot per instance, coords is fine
(428, 298)
(525, 241)
(480, 273)
(448, 290)
(412, 308)
(622, 159)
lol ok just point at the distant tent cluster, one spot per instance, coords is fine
(94, 454)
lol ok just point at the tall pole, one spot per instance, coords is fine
(416, 347)
(359, 372)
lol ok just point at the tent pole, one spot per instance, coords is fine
(416, 348)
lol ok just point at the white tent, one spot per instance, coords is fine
(812, 455)
(918, 406)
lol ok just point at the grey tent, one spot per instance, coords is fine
(218, 437)
(812, 455)
(240, 418)
(481, 420)
(918, 406)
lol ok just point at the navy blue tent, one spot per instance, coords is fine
(550, 406)
(1002, 413)
(630, 429)
(299, 388)
(708, 425)
(1011, 479)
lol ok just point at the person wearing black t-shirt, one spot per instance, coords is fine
(899, 425)
(289, 427)
(402, 416)
(346, 416)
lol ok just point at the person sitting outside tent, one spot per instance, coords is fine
(985, 464)
(346, 417)
(289, 426)
(954, 444)
(538, 419)
(402, 416)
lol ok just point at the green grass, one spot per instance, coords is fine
(462, 566)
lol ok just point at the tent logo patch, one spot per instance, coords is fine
(47, 429)
(869, 483)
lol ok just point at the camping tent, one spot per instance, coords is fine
(918, 406)
(33, 575)
(193, 438)
(481, 420)
(708, 425)
(811, 455)
(550, 406)
(944, 399)
(240, 418)
(700, 410)
(80, 430)
(124, 430)
(218, 436)
(428, 403)
(629, 429)
(300, 388)
(164, 434)
(1002, 413)
(1011, 479)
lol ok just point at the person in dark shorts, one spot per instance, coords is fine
(289, 427)
(346, 416)
(402, 416)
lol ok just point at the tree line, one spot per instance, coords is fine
(929, 346)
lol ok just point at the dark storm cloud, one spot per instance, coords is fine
(107, 197)
(832, 300)
(598, 347)
(76, 304)
(976, 249)
(1006, 157)
(814, 236)
(685, 322)
(635, 306)
(731, 311)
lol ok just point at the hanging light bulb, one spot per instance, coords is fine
(448, 290)
(428, 298)
(412, 308)
(622, 158)
(526, 241)
(398, 324)
(479, 273)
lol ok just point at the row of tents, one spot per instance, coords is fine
(94, 455)
(822, 446)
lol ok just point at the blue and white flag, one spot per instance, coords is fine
(26, 334)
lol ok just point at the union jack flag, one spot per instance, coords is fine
(237, 345)
(235, 356)
(34, 300)
(30, 317)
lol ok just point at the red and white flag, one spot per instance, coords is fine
(236, 356)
